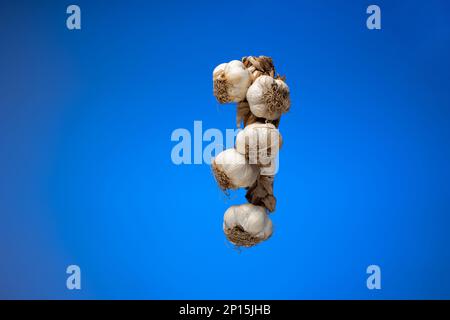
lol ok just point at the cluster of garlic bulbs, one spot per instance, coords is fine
(261, 99)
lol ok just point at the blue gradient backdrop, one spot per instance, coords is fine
(86, 175)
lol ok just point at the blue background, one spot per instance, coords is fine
(86, 175)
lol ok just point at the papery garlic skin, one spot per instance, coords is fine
(232, 171)
(259, 142)
(268, 97)
(252, 220)
(259, 66)
(231, 81)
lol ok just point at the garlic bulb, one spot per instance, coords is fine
(232, 171)
(247, 225)
(268, 97)
(231, 81)
(259, 142)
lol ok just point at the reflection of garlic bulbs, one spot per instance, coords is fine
(232, 171)
(259, 142)
(268, 97)
(231, 81)
(247, 225)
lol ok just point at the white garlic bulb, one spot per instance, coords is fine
(232, 171)
(231, 81)
(247, 225)
(268, 97)
(259, 142)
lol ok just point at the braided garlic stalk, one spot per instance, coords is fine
(266, 98)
